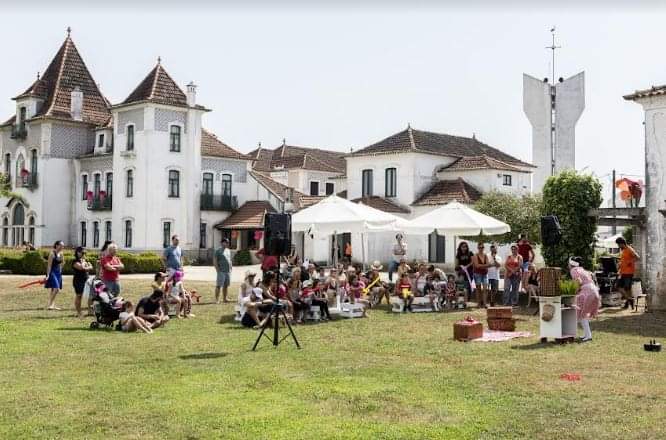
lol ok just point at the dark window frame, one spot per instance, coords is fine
(129, 184)
(367, 177)
(175, 138)
(327, 186)
(84, 187)
(203, 235)
(130, 137)
(507, 180)
(128, 233)
(95, 234)
(107, 230)
(391, 182)
(208, 184)
(84, 234)
(314, 184)
(166, 234)
(227, 185)
(174, 184)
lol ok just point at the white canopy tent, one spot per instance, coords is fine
(609, 242)
(458, 220)
(335, 215)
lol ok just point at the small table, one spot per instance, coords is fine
(563, 326)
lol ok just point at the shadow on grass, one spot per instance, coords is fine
(649, 325)
(35, 309)
(203, 356)
(538, 346)
(227, 319)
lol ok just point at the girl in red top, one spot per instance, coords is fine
(405, 291)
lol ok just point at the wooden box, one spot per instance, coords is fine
(467, 330)
(499, 312)
(502, 324)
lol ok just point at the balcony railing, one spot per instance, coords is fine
(19, 132)
(210, 202)
(27, 180)
(98, 203)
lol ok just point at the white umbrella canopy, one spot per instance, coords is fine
(337, 215)
(609, 242)
(457, 219)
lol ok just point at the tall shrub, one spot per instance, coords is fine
(521, 213)
(569, 195)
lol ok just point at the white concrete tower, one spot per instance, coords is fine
(553, 110)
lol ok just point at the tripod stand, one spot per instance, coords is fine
(277, 312)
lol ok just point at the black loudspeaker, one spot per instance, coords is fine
(551, 231)
(277, 234)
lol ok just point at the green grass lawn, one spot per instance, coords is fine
(387, 376)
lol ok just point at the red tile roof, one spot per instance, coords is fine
(159, 88)
(482, 162)
(280, 191)
(445, 191)
(248, 216)
(212, 146)
(292, 157)
(65, 72)
(436, 143)
(382, 204)
(652, 91)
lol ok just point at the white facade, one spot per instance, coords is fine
(553, 111)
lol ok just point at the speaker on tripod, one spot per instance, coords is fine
(551, 231)
(277, 234)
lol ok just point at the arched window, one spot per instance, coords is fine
(84, 234)
(19, 215)
(8, 165)
(18, 220)
(174, 183)
(226, 185)
(5, 231)
(33, 162)
(208, 184)
(97, 184)
(175, 139)
(107, 230)
(31, 230)
(129, 185)
(84, 187)
(20, 166)
(109, 184)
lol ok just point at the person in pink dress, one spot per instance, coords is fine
(588, 300)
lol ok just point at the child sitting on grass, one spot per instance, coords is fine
(405, 291)
(129, 322)
(178, 291)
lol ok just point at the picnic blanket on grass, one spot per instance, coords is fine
(500, 336)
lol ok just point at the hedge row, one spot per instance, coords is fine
(34, 262)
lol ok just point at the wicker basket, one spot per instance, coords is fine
(502, 324)
(549, 281)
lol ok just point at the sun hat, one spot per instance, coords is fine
(376, 265)
(307, 283)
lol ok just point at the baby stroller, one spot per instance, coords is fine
(106, 307)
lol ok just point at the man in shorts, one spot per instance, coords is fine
(222, 263)
(628, 258)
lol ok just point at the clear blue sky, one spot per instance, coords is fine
(342, 77)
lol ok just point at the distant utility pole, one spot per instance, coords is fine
(613, 201)
(553, 47)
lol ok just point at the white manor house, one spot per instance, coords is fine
(85, 170)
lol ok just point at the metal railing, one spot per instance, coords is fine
(19, 132)
(210, 202)
(97, 203)
(27, 180)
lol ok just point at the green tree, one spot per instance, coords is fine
(569, 195)
(5, 188)
(521, 213)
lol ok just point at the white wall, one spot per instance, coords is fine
(491, 180)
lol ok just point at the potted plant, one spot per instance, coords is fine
(568, 289)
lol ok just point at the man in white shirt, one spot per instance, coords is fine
(399, 252)
(495, 262)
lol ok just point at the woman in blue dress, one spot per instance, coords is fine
(54, 274)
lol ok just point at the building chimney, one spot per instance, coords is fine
(76, 104)
(191, 94)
